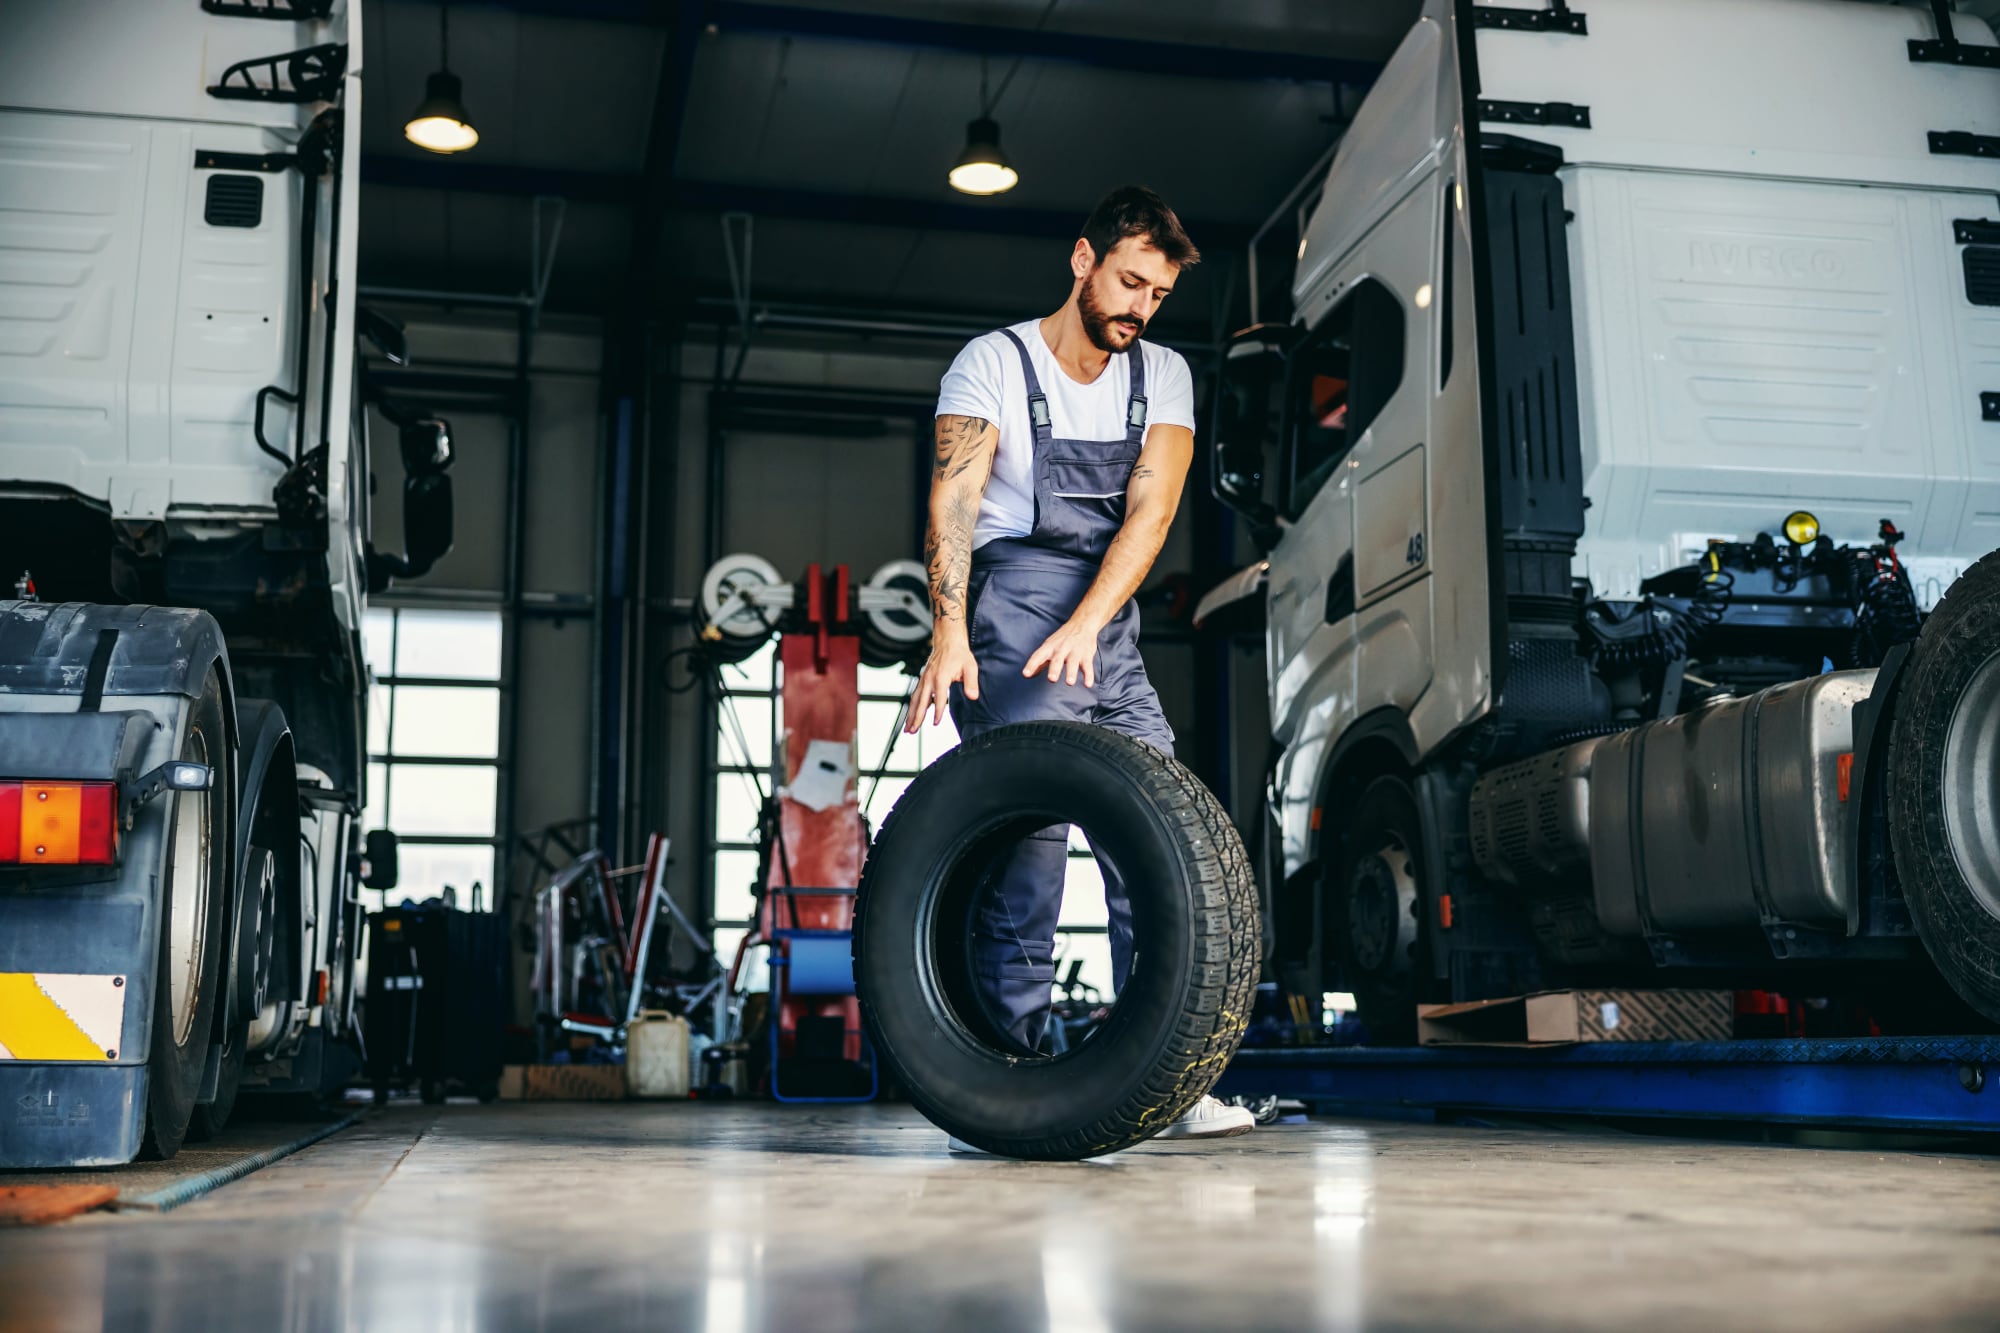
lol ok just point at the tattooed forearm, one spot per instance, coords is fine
(948, 553)
(965, 447)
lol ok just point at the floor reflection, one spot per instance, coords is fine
(741, 1220)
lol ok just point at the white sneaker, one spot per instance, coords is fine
(1210, 1119)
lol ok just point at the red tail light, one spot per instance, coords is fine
(58, 823)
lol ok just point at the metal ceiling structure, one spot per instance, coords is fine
(832, 124)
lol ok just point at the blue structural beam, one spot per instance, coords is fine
(1875, 1083)
(1195, 60)
(764, 201)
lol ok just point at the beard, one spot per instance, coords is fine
(1108, 333)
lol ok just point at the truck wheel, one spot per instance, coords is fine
(1944, 786)
(212, 1117)
(1180, 1014)
(259, 881)
(192, 899)
(1378, 912)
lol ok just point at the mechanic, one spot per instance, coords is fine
(1062, 447)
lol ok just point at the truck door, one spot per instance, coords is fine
(1312, 575)
(1352, 469)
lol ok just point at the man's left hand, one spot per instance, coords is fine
(1068, 653)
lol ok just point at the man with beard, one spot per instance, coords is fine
(1062, 447)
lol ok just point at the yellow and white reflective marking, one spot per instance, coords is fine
(61, 1016)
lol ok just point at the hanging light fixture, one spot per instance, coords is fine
(440, 122)
(982, 168)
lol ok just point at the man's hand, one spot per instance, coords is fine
(951, 664)
(1068, 653)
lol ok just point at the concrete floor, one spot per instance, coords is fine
(731, 1219)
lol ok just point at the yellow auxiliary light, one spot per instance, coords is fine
(1801, 528)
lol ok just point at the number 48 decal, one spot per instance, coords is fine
(1415, 554)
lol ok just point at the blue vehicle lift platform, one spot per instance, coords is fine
(1899, 1083)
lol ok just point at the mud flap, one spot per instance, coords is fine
(61, 1115)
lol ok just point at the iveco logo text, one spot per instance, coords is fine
(1732, 259)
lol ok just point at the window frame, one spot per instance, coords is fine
(388, 761)
(1339, 322)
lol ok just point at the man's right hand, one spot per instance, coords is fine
(951, 663)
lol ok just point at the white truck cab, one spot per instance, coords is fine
(1645, 359)
(184, 522)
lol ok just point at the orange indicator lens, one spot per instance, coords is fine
(58, 823)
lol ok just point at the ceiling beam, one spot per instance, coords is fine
(475, 177)
(1192, 60)
(654, 195)
(764, 201)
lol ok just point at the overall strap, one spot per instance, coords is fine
(1038, 403)
(1135, 410)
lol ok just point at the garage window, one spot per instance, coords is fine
(743, 760)
(434, 746)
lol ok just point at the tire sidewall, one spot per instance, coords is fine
(906, 974)
(1387, 1000)
(174, 1072)
(1962, 938)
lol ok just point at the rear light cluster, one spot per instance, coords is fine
(58, 823)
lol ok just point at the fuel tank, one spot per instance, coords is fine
(1726, 817)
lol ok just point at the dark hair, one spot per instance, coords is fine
(1134, 210)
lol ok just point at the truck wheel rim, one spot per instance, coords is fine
(1972, 785)
(1379, 903)
(188, 926)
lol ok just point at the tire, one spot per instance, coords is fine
(1378, 917)
(210, 1118)
(254, 954)
(1195, 922)
(192, 898)
(1944, 786)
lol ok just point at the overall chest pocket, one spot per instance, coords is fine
(1092, 489)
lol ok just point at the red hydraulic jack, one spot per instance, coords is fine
(814, 846)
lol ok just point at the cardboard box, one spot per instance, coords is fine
(1566, 1017)
(562, 1083)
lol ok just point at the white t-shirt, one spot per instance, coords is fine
(986, 382)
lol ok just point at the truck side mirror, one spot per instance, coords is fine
(427, 530)
(385, 333)
(426, 445)
(1253, 373)
(427, 502)
(379, 859)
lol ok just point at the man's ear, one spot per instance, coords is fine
(1082, 259)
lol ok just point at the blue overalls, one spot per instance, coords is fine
(1022, 590)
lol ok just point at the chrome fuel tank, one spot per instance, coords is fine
(1727, 817)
